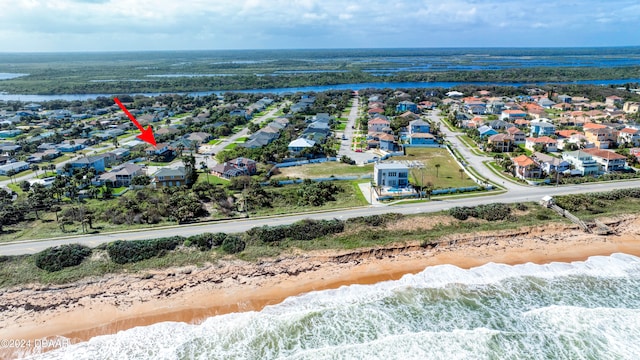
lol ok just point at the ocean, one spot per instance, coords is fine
(579, 310)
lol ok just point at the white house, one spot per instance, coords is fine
(391, 175)
(299, 144)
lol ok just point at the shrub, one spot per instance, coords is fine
(490, 212)
(232, 244)
(59, 257)
(123, 252)
(376, 220)
(302, 230)
(521, 207)
(204, 241)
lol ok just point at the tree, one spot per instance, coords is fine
(11, 173)
(24, 186)
(461, 171)
(205, 168)
(437, 166)
(115, 142)
(35, 169)
(140, 180)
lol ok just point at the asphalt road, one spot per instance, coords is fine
(512, 196)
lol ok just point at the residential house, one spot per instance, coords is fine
(486, 131)
(17, 167)
(614, 101)
(406, 106)
(564, 99)
(499, 124)
(546, 103)
(521, 123)
(299, 144)
(550, 164)
(512, 115)
(476, 107)
(526, 168)
(161, 149)
(377, 124)
(121, 175)
(495, 107)
(500, 142)
(97, 162)
(583, 162)
(120, 153)
(629, 136)
(387, 142)
(546, 143)
(541, 128)
(199, 137)
(4, 134)
(422, 139)
(603, 138)
(236, 167)
(608, 160)
(391, 175)
(70, 148)
(419, 126)
(44, 156)
(631, 107)
(409, 116)
(518, 135)
(170, 177)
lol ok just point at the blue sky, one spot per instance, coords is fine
(113, 25)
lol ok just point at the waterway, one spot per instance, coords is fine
(321, 88)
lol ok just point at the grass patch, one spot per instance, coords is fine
(326, 169)
(212, 179)
(448, 175)
(231, 146)
(341, 127)
(242, 139)
(214, 142)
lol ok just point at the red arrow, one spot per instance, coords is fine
(146, 134)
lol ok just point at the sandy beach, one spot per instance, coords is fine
(116, 302)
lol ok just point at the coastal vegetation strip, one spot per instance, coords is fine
(266, 242)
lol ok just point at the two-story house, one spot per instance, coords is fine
(236, 167)
(169, 177)
(541, 128)
(122, 175)
(406, 106)
(550, 164)
(512, 115)
(299, 144)
(419, 126)
(391, 175)
(582, 162)
(526, 168)
(377, 124)
(98, 163)
(607, 160)
(629, 136)
(603, 138)
(501, 142)
(518, 135)
(546, 143)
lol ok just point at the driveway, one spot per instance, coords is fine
(473, 160)
(349, 131)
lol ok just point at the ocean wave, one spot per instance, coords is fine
(560, 310)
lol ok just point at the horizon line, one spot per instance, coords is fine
(327, 49)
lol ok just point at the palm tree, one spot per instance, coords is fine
(11, 173)
(205, 168)
(437, 166)
(461, 171)
(35, 169)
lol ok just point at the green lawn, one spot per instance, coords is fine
(341, 126)
(242, 139)
(446, 176)
(231, 146)
(214, 142)
(212, 179)
(324, 170)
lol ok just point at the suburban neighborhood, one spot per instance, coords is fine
(239, 154)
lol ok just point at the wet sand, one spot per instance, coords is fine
(118, 302)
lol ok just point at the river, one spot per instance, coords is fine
(357, 86)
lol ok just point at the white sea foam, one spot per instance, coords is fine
(561, 310)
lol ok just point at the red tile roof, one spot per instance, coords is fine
(605, 154)
(523, 161)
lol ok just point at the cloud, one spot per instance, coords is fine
(147, 24)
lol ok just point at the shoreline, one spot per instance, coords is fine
(116, 302)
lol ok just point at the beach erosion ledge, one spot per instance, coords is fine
(116, 302)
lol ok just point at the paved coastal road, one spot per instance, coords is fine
(516, 195)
